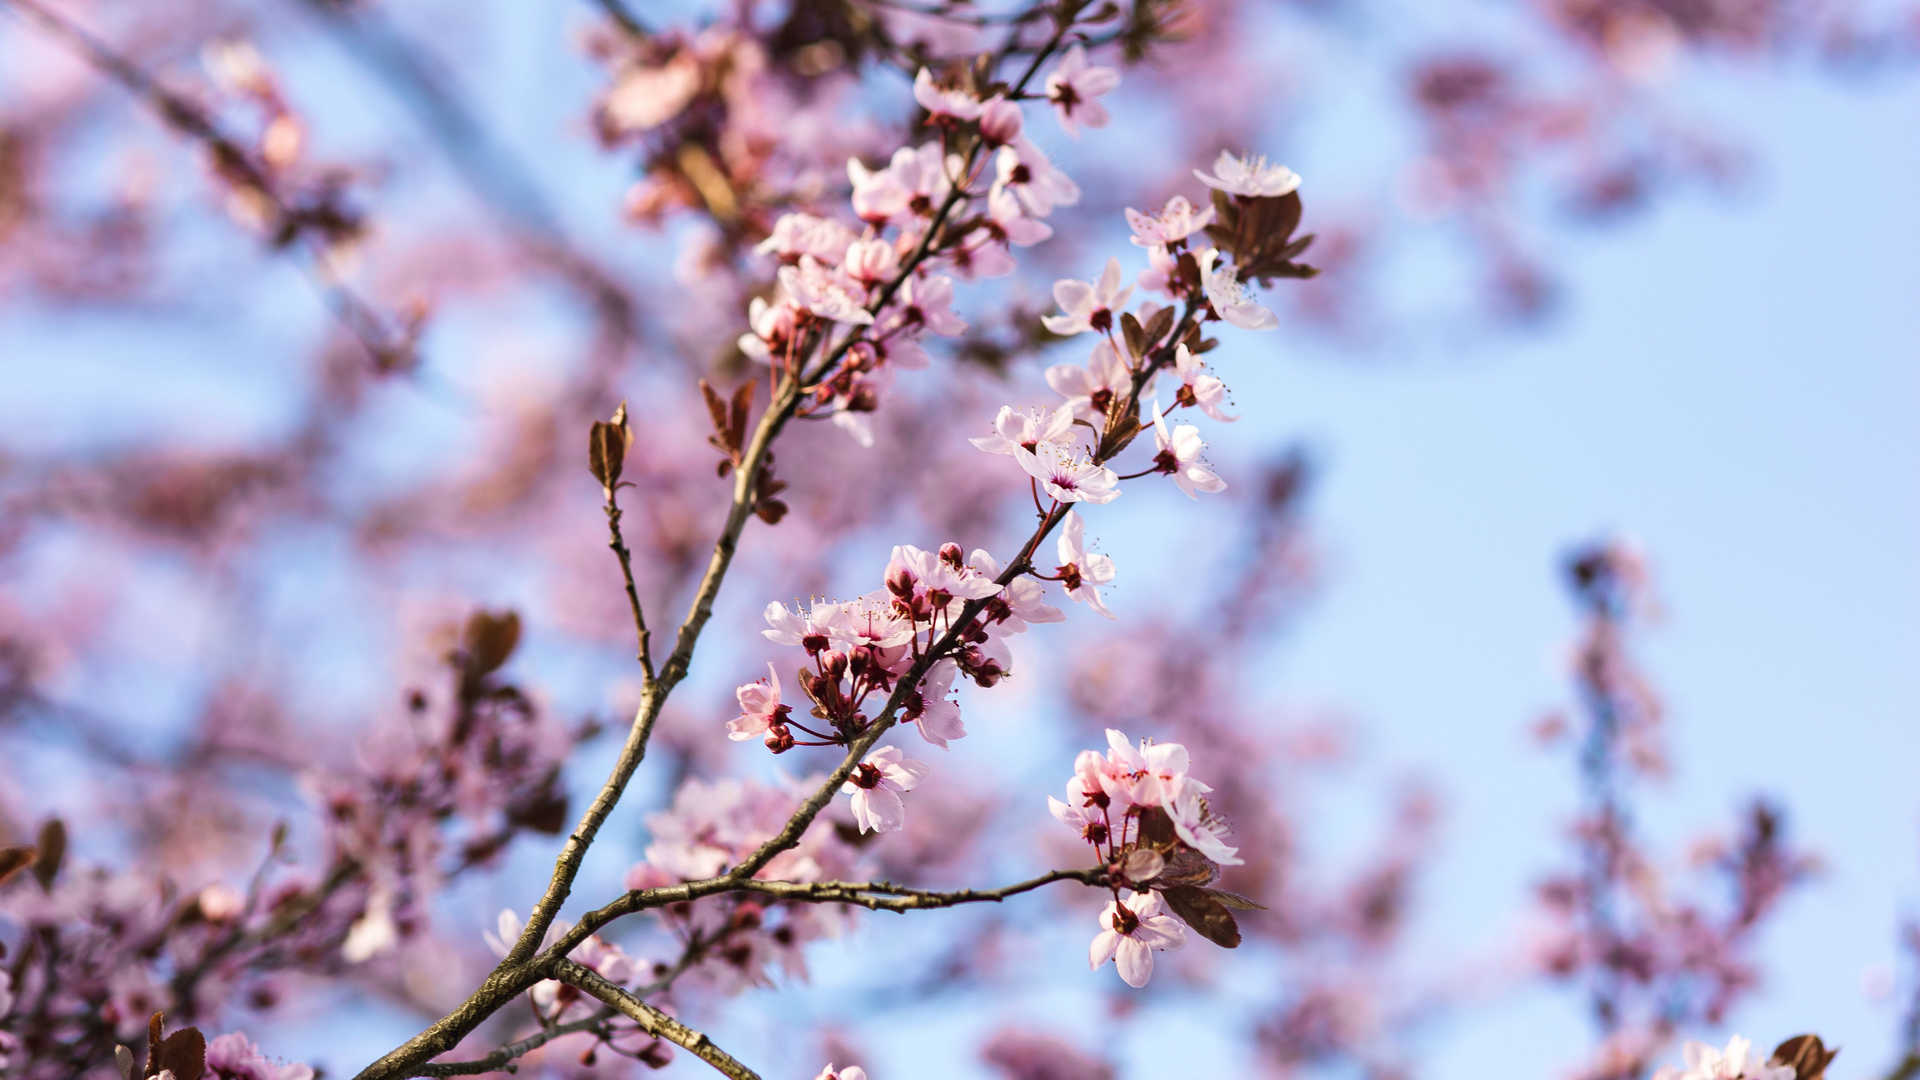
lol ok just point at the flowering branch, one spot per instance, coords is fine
(652, 1020)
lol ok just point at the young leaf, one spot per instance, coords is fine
(607, 443)
(1235, 900)
(491, 639)
(53, 851)
(1208, 916)
(1806, 1054)
(184, 1054)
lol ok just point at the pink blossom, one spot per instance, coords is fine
(234, 1057)
(1197, 387)
(1072, 87)
(1021, 169)
(1086, 306)
(1249, 176)
(932, 709)
(1229, 297)
(1176, 221)
(1179, 456)
(1014, 431)
(1148, 775)
(1000, 121)
(809, 628)
(941, 103)
(1198, 827)
(876, 785)
(1024, 599)
(797, 235)
(1081, 573)
(927, 303)
(1736, 1062)
(870, 620)
(1160, 274)
(773, 328)
(1068, 474)
(1092, 389)
(823, 292)
(1131, 930)
(760, 707)
(851, 1072)
(871, 262)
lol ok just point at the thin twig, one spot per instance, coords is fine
(619, 545)
(501, 1059)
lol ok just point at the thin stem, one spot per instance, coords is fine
(501, 1059)
(619, 545)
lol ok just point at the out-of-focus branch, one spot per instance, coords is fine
(623, 17)
(390, 351)
(652, 1020)
(490, 170)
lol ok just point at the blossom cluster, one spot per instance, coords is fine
(858, 652)
(880, 279)
(1149, 822)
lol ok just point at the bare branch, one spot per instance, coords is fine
(652, 1020)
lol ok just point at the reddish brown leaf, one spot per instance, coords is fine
(1808, 1056)
(1207, 915)
(53, 851)
(491, 639)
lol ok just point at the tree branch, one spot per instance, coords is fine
(652, 1020)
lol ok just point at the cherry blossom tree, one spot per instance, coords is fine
(382, 707)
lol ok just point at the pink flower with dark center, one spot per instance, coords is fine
(1014, 431)
(1179, 457)
(1086, 306)
(760, 708)
(926, 303)
(1132, 930)
(1092, 389)
(1229, 298)
(875, 787)
(1025, 172)
(1081, 573)
(1197, 388)
(1072, 87)
(1000, 122)
(1068, 474)
(932, 709)
(809, 629)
